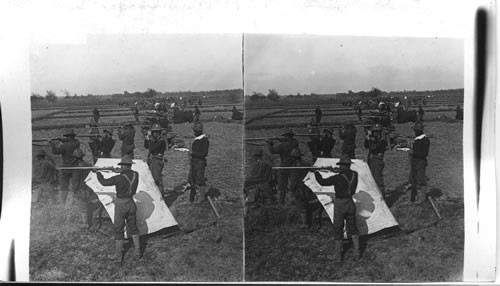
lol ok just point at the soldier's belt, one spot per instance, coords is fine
(378, 156)
(159, 156)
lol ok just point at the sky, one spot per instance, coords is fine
(305, 64)
(108, 64)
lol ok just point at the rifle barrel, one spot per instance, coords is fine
(86, 168)
(302, 168)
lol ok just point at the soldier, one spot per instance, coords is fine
(107, 143)
(418, 158)
(198, 154)
(96, 115)
(420, 113)
(376, 146)
(284, 148)
(197, 113)
(261, 177)
(156, 146)
(459, 113)
(125, 209)
(95, 146)
(349, 137)
(326, 145)
(44, 176)
(318, 114)
(345, 182)
(66, 149)
(360, 112)
(82, 192)
(305, 200)
(315, 145)
(135, 111)
(127, 138)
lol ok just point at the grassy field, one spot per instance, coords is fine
(59, 251)
(276, 250)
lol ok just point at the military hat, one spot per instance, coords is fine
(288, 132)
(327, 130)
(126, 160)
(349, 125)
(344, 160)
(78, 153)
(156, 127)
(68, 131)
(40, 153)
(418, 126)
(197, 126)
(106, 130)
(377, 127)
(258, 153)
(296, 153)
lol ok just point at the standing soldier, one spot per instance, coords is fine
(156, 146)
(81, 191)
(261, 177)
(135, 111)
(418, 158)
(420, 113)
(96, 114)
(319, 114)
(107, 143)
(66, 150)
(125, 209)
(345, 182)
(376, 146)
(197, 113)
(127, 138)
(304, 197)
(315, 145)
(349, 137)
(459, 113)
(95, 142)
(198, 155)
(284, 148)
(327, 143)
(44, 176)
(360, 112)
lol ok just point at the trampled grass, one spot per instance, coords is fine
(276, 250)
(59, 251)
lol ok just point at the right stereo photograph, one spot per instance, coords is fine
(353, 158)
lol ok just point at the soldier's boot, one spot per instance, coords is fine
(137, 247)
(337, 259)
(117, 255)
(84, 221)
(303, 221)
(202, 195)
(422, 194)
(355, 243)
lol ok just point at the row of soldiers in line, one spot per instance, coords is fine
(70, 151)
(374, 142)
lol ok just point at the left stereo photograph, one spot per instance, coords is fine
(137, 159)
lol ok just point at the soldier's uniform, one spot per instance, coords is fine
(125, 209)
(326, 145)
(377, 147)
(284, 148)
(421, 113)
(66, 150)
(349, 137)
(156, 147)
(107, 144)
(83, 193)
(199, 153)
(318, 114)
(420, 151)
(127, 138)
(261, 177)
(136, 113)
(345, 184)
(197, 114)
(315, 146)
(44, 176)
(96, 115)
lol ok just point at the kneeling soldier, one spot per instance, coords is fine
(345, 184)
(156, 146)
(125, 209)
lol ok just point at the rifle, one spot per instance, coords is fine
(112, 169)
(263, 138)
(326, 168)
(59, 138)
